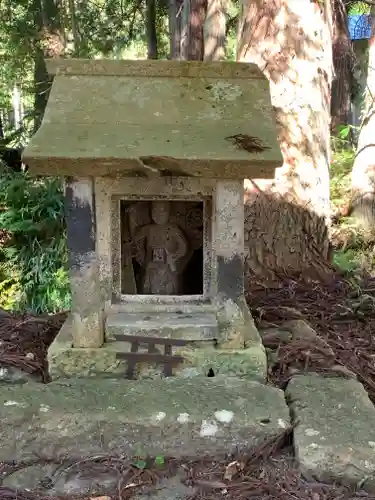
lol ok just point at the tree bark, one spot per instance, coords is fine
(152, 39)
(363, 172)
(194, 14)
(215, 31)
(75, 30)
(343, 61)
(286, 220)
(49, 43)
(175, 28)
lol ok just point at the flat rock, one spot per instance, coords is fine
(173, 416)
(335, 435)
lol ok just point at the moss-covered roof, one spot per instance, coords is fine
(192, 118)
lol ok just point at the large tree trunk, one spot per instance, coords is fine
(363, 173)
(287, 220)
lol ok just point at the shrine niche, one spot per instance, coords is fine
(161, 247)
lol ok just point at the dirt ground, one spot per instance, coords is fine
(343, 316)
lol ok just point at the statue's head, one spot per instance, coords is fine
(160, 212)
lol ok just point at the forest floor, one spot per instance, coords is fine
(343, 316)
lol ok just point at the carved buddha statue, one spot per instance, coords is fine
(161, 247)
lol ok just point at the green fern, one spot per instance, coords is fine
(33, 214)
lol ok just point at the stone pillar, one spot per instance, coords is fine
(236, 325)
(229, 239)
(87, 308)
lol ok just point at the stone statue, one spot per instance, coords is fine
(161, 247)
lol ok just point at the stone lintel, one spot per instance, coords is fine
(87, 315)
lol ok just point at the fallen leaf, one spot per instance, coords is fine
(100, 498)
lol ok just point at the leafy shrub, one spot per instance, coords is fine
(340, 171)
(34, 258)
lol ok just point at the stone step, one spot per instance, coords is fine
(176, 417)
(194, 326)
(135, 307)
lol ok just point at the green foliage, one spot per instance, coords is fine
(357, 8)
(159, 461)
(34, 260)
(340, 171)
(346, 260)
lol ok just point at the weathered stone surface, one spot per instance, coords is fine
(178, 417)
(248, 363)
(64, 360)
(335, 435)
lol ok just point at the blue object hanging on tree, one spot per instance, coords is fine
(359, 26)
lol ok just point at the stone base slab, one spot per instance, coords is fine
(173, 417)
(335, 434)
(65, 361)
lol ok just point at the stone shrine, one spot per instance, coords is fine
(154, 155)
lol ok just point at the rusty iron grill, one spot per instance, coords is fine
(153, 356)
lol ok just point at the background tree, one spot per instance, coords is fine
(344, 65)
(215, 32)
(287, 225)
(363, 173)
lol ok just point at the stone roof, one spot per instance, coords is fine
(202, 119)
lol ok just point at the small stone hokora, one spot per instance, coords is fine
(160, 247)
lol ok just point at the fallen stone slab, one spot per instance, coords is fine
(335, 434)
(174, 417)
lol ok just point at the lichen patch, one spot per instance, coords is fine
(224, 416)
(208, 429)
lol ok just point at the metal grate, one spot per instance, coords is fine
(153, 356)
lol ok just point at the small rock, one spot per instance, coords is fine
(94, 480)
(343, 370)
(295, 329)
(300, 329)
(12, 375)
